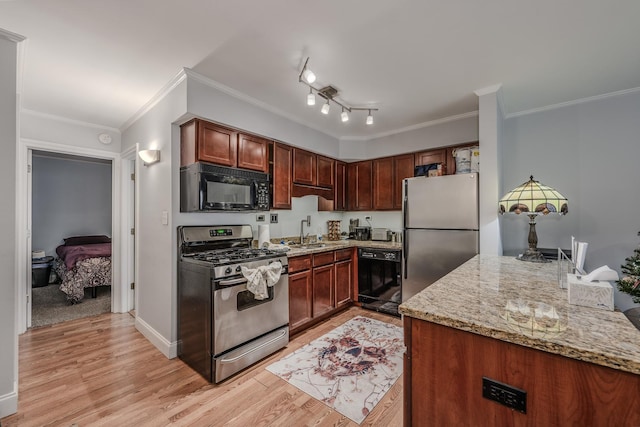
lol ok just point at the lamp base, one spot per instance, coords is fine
(532, 255)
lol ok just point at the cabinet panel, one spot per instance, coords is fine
(188, 134)
(325, 172)
(252, 153)
(359, 185)
(340, 187)
(282, 170)
(383, 183)
(300, 297)
(431, 156)
(344, 282)
(323, 258)
(304, 167)
(323, 288)
(403, 169)
(217, 144)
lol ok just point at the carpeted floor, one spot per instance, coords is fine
(50, 305)
(350, 368)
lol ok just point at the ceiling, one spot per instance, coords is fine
(418, 61)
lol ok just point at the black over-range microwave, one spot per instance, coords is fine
(206, 187)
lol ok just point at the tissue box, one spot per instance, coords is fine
(594, 294)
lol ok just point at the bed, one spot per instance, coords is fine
(83, 262)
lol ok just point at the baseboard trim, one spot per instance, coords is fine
(8, 404)
(169, 349)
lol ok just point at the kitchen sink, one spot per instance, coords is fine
(308, 245)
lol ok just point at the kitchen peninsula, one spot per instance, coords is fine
(507, 320)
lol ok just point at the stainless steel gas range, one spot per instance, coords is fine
(222, 327)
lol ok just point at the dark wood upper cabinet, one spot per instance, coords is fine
(431, 156)
(403, 168)
(340, 187)
(202, 141)
(217, 144)
(304, 167)
(359, 186)
(325, 171)
(383, 184)
(252, 153)
(282, 172)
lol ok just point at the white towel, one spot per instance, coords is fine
(259, 278)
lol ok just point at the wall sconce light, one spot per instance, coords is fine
(149, 157)
(330, 93)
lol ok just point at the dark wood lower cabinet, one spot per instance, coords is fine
(323, 289)
(344, 282)
(300, 297)
(444, 367)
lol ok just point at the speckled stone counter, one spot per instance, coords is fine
(332, 245)
(520, 302)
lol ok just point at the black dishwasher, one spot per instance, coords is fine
(379, 279)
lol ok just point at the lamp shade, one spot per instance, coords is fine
(149, 156)
(534, 198)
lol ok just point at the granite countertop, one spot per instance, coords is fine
(520, 302)
(332, 245)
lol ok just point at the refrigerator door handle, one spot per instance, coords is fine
(405, 251)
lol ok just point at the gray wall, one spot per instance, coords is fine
(590, 152)
(8, 140)
(71, 197)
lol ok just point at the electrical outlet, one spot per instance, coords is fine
(504, 394)
(260, 218)
(367, 218)
(274, 218)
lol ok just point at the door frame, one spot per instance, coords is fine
(128, 217)
(119, 294)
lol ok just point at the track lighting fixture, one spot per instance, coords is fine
(325, 108)
(311, 98)
(329, 93)
(344, 115)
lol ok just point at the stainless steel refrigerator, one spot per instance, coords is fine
(440, 221)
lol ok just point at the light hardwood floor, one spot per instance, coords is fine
(101, 371)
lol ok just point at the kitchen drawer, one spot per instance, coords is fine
(299, 263)
(343, 254)
(323, 258)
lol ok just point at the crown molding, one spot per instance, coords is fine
(253, 101)
(574, 102)
(155, 99)
(413, 127)
(14, 37)
(67, 120)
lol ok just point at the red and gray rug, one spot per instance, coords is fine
(349, 369)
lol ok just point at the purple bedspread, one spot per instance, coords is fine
(72, 254)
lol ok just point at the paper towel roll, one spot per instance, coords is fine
(263, 235)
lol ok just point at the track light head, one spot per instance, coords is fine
(369, 118)
(309, 76)
(344, 116)
(325, 108)
(311, 98)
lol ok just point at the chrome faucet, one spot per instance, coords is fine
(308, 221)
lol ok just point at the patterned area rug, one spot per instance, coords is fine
(349, 369)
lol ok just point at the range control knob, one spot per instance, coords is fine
(238, 268)
(227, 270)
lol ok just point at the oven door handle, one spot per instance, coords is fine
(264, 344)
(232, 282)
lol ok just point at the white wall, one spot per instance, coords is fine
(590, 153)
(71, 197)
(8, 141)
(42, 127)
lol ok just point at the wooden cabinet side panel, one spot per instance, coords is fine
(252, 153)
(282, 170)
(383, 184)
(323, 288)
(217, 144)
(403, 169)
(340, 187)
(188, 143)
(300, 298)
(304, 167)
(447, 366)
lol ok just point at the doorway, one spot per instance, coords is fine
(71, 229)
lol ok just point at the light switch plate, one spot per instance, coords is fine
(274, 218)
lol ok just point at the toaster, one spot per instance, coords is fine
(383, 234)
